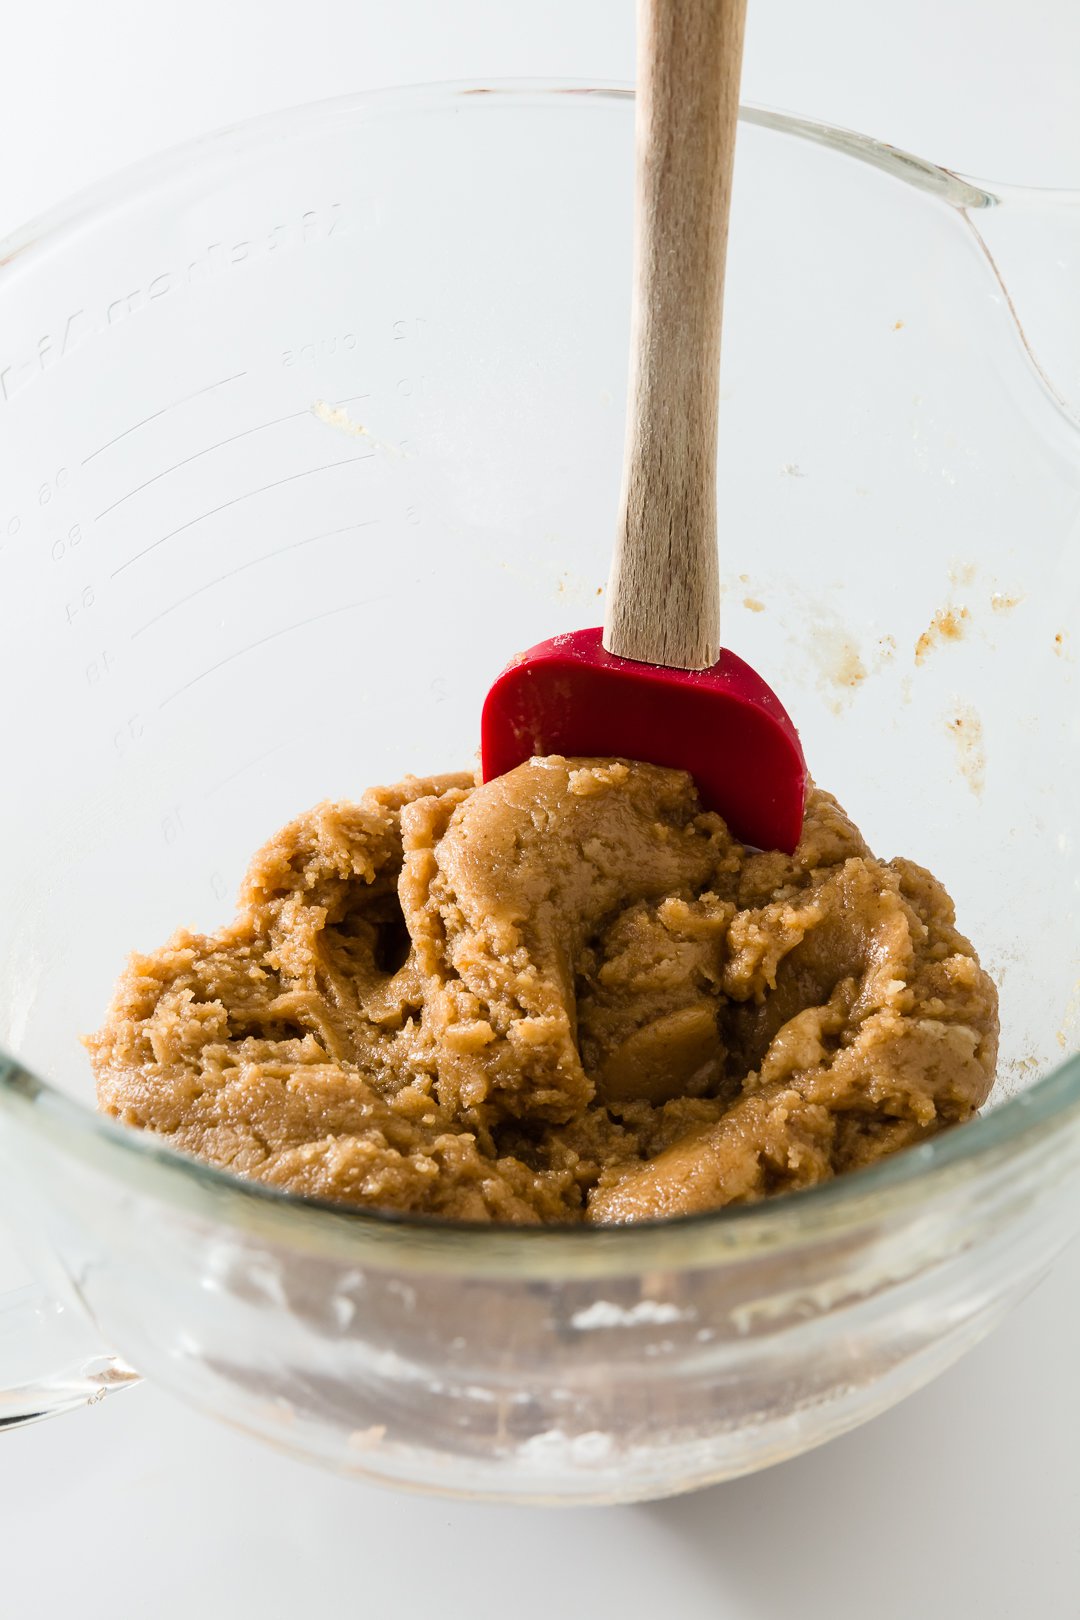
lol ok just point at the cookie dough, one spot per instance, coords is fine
(566, 995)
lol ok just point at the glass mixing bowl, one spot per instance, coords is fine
(307, 428)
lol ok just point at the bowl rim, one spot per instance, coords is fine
(136, 180)
(891, 1186)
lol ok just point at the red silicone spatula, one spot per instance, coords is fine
(655, 684)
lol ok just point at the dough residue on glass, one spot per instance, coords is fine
(565, 995)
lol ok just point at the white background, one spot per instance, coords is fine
(965, 1500)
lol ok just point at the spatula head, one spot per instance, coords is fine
(723, 725)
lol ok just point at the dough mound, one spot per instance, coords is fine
(567, 995)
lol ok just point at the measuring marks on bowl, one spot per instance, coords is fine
(209, 613)
(253, 562)
(263, 641)
(198, 393)
(206, 450)
(245, 495)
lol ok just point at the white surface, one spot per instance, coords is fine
(986, 87)
(964, 1501)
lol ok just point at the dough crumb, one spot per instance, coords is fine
(948, 624)
(966, 730)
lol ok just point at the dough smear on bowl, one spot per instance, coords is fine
(567, 995)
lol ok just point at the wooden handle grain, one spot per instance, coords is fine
(664, 595)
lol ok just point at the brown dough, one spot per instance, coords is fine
(566, 995)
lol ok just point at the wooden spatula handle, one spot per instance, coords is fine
(664, 594)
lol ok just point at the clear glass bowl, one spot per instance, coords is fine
(222, 603)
